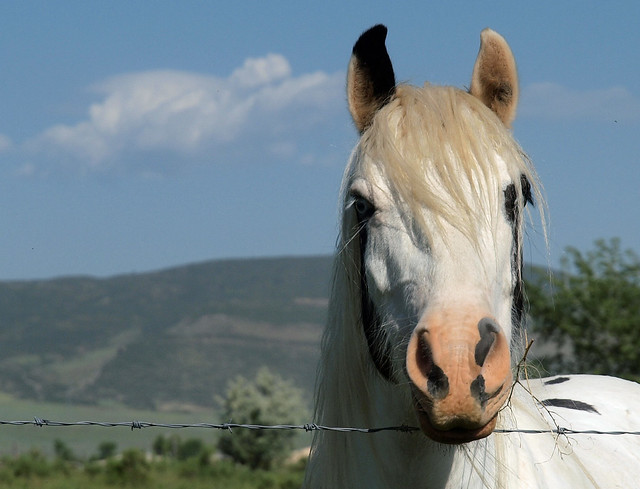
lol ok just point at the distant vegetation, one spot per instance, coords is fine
(590, 311)
(185, 463)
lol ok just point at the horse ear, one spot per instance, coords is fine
(370, 79)
(495, 78)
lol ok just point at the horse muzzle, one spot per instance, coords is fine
(460, 372)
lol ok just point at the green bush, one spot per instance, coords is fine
(191, 448)
(164, 446)
(131, 468)
(62, 451)
(106, 449)
(591, 310)
(267, 400)
(27, 465)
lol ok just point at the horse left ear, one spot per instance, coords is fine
(370, 80)
(495, 78)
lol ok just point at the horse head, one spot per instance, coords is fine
(434, 196)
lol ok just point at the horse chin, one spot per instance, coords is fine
(453, 436)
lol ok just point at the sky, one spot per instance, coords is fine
(137, 136)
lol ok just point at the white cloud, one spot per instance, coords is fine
(554, 101)
(26, 170)
(5, 143)
(283, 149)
(190, 113)
(260, 71)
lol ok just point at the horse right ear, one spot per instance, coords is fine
(370, 79)
(495, 78)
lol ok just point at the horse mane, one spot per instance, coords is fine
(440, 137)
(454, 139)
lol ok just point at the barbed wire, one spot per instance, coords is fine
(309, 427)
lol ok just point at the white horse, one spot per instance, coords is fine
(427, 297)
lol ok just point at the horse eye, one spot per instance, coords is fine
(364, 208)
(510, 196)
(510, 202)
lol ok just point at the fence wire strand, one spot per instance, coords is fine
(309, 427)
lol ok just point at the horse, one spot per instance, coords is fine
(427, 303)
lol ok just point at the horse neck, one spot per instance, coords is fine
(397, 460)
(378, 460)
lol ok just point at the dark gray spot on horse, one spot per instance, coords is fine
(557, 380)
(570, 404)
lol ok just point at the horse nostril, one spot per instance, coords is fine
(424, 358)
(437, 381)
(488, 330)
(478, 390)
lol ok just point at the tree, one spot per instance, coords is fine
(166, 446)
(267, 400)
(192, 448)
(62, 451)
(591, 309)
(106, 449)
(130, 469)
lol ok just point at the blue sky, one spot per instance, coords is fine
(140, 135)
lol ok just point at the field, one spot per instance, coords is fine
(51, 457)
(84, 440)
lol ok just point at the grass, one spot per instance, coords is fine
(84, 368)
(84, 440)
(169, 462)
(133, 469)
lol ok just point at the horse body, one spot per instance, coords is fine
(427, 297)
(509, 460)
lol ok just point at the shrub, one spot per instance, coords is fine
(267, 400)
(62, 451)
(131, 468)
(106, 449)
(592, 311)
(30, 464)
(191, 448)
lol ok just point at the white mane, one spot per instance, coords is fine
(450, 134)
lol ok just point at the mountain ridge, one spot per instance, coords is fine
(84, 339)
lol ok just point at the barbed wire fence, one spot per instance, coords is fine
(309, 427)
(557, 430)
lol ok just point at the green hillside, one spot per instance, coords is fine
(164, 340)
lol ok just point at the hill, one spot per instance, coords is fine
(163, 340)
(168, 340)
